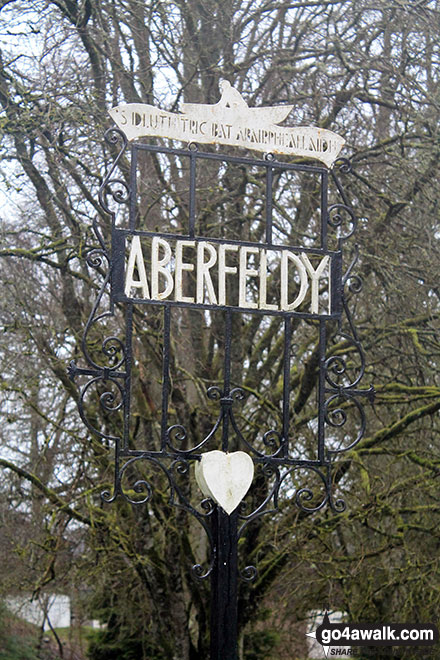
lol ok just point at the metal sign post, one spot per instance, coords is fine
(146, 268)
(224, 586)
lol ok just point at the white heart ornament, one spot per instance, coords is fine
(224, 477)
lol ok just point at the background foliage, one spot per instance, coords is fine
(367, 70)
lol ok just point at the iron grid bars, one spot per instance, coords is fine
(189, 255)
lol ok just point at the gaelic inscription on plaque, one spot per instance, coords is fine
(230, 122)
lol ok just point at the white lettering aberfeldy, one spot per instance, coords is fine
(226, 274)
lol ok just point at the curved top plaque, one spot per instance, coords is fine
(230, 122)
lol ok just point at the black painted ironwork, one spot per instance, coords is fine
(108, 370)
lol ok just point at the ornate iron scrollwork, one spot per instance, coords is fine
(108, 372)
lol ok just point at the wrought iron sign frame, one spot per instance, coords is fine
(114, 373)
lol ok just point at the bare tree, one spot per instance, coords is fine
(370, 72)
